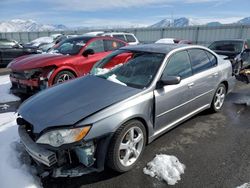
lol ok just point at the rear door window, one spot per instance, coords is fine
(199, 60)
(178, 65)
(212, 59)
(130, 38)
(120, 37)
(110, 45)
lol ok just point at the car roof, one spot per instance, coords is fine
(154, 48)
(233, 40)
(117, 33)
(92, 37)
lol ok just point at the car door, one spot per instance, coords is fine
(206, 77)
(172, 101)
(88, 62)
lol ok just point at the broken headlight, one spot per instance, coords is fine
(60, 137)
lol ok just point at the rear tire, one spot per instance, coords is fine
(63, 76)
(219, 98)
(126, 146)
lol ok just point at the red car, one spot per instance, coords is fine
(69, 59)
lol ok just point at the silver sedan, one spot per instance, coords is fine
(131, 97)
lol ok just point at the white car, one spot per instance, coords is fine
(173, 41)
(94, 33)
(130, 38)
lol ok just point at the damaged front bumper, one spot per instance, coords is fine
(72, 161)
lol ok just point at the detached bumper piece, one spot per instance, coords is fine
(38, 153)
(244, 76)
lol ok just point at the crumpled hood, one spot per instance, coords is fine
(68, 103)
(36, 61)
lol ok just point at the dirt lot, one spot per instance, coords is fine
(214, 148)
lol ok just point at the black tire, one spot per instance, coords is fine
(213, 107)
(113, 156)
(61, 74)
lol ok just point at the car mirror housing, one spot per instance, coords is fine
(88, 52)
(168, 80)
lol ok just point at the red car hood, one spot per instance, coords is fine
(37, 61)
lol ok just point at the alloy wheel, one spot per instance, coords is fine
(219, 98)
(131, 146)
(63, 78)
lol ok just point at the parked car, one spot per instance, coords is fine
(173, 41)
(47, 46)
(10, 49)
(234, 50)
(130, 38)
(68, 59)
(94, 33)
(38, 42)
(107, 117)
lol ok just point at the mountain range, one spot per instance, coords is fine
(183, 22)
(18, 25)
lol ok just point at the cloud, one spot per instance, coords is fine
(94, 5)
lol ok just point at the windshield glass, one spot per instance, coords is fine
(228, 46)
(129, 68)
(70, 46)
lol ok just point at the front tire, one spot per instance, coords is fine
(219, 98)
(126, 146)
(63, 76)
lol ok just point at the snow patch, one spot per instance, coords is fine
(114, 79)
(13, 168)
(165, 167)
(245, 185)
(5, 95)
(4, 106)
(243, 100)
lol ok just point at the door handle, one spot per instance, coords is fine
(190, 85)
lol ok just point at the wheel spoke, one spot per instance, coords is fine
(216, 103)
(135, 152)
(131, 134)
(123, 146)
(138, 138)
(126, 157)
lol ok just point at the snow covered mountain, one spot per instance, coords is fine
(245, 21)
(18, 25)
(182, 22)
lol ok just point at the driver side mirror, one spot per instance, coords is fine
(168, 80)
(88, 52)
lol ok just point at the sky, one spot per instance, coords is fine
(75, 13)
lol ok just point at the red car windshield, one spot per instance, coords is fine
(70, 46)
